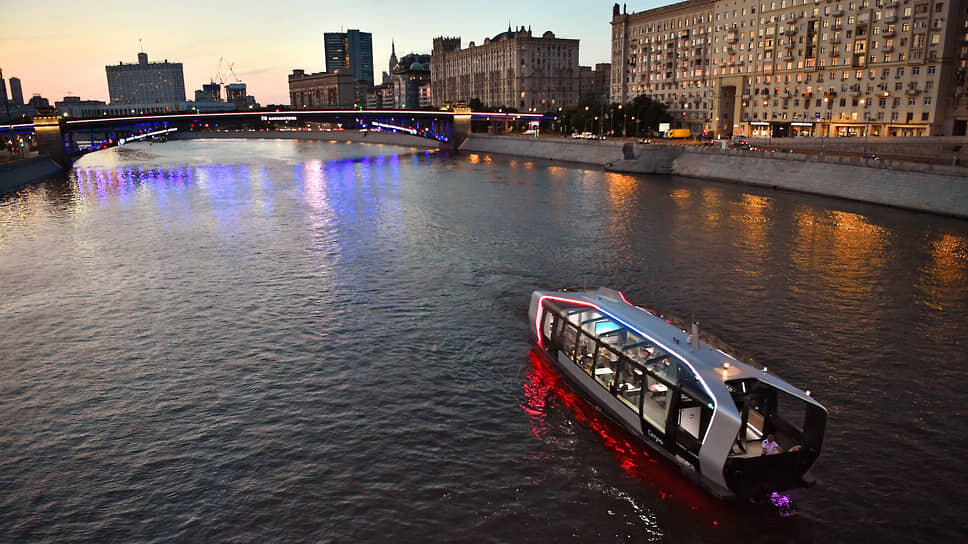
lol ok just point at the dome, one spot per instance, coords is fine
(416, 66)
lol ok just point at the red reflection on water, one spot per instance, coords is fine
(631, 454)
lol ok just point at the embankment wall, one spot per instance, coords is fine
(915, 190)
(16, 174)
(930, 188)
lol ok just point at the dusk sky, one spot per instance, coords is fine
(60, 48)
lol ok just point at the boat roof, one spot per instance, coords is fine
(709, 362)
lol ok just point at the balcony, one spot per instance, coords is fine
(888, 34)
(836, 39)
(887, 49)
(788, 57)
(790, 31)
(912, 92)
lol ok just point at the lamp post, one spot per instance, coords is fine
(601, 118)
(826, 101)
(623, 120)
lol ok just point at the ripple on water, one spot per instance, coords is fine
(304, 341)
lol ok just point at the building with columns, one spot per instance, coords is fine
(791, 67)
(514, 69)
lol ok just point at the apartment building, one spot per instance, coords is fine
(792, 67)
(513, 69)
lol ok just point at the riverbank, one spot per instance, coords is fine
(929, 188)
(349, 136)
(16, 174)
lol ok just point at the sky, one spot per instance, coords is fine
(60, 48)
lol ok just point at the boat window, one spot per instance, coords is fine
(606, 364)
(690, 383)
(655, 403)
(568, 338)
(628, 386)
(547, 324)
(585, 354)
(662, 366)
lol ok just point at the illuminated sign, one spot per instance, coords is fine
(278, 117)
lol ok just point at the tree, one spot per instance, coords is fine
(649, 112)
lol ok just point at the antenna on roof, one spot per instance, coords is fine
(141, 45)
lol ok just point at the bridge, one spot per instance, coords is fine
(64, 140)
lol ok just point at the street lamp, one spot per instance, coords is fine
(623, 119)
(826, 101)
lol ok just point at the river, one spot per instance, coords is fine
(285, 341)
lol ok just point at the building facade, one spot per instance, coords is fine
(146, 82)
(350, 51)
(325, 90)
(594, 84)
(792, 67)
(513, 69)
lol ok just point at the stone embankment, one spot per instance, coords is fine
(16, 174)
(924, 187)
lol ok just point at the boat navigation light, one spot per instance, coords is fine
(765, 369)
(725, 365)
(809, 394)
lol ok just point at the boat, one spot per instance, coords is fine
(687, 401)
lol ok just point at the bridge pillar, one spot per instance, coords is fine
(50, 141)
(462, 125)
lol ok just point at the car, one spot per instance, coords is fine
(645, 141)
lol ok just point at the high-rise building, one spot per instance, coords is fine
(16, 92)
(350, 52)
(513, 69)
(146, 83)
(792, 67)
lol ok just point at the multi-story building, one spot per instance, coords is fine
(16, 92)
(790, 67)
(594, 84)
(513, 69)
(326, 90)
(350, 51)
(146, 82)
